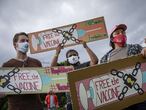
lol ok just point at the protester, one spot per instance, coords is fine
(21, 101)
(120, 49)
(72, 58)
(51, 101)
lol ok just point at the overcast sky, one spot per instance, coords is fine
(36, 15)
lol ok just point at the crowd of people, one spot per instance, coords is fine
(119, 49)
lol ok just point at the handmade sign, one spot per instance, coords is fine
(90, 30)
(110, 86)
(34, 80)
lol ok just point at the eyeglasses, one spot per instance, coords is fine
(24, 40)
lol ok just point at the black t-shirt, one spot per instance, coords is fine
(83, 65)
(24, 101)
(76, 66)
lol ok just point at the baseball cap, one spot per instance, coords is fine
(119, 26)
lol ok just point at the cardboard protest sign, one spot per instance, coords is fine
(90, 30)
(110, 86)
(34, 80)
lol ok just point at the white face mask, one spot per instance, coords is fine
(23, 47)
(73, 59)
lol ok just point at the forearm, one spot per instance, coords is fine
(93, 57)
(55, 60)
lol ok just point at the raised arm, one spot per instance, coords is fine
(93, 57)
(55, 58)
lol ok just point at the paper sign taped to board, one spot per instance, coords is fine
(34, 80)
(90, 30)
(111, 88)
(108, 88)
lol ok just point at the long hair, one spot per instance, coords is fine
(111, 43)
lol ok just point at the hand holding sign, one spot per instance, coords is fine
(2, 81)
(83, 43)
(58, 49)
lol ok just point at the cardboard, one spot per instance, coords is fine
(46, 40)
(34, 80)
(110, 86)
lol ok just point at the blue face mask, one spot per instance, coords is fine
(23, 47)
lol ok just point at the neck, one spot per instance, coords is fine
(21, 56)
(117, 46)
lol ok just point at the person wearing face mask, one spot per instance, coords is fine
(120, 49)
(72, 58)
(21, 101)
